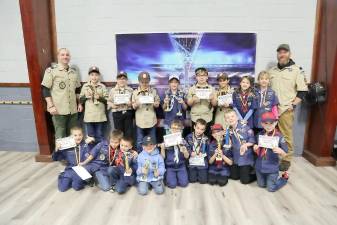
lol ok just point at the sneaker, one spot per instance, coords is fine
(285, 175)
(284, 165)
(113, 189)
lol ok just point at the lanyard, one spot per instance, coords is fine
(197, 143)
(263, 98)
(78, 157)
(244, 101)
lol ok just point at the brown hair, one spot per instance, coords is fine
(178, 123)
(201, 122)
(127, 139)
(76, 128)
(116, 134)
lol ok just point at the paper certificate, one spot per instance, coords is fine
(82, 172)
(225, 99)
(120, 99)
(146, 99)
(172, 139)
(203, 93)
(65, 143)
(268, 141)
(197, 160)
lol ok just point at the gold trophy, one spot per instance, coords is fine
(167, 109)
(146, 166)
(218, 154)
(126, 164)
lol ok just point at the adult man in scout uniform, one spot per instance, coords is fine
(60, 85)
(288, 81)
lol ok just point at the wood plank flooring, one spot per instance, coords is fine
(29, 196)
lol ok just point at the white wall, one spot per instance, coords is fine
(88, 27)
(13, 67)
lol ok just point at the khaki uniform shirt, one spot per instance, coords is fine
(62, 84)
(94, 109)
(286, 83)
(118, 90)
(204, 108)
(145, 113)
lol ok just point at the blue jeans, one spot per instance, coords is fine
(270, 180)
(141, 133)
(95, 130)
(121, 182)
(158, 187)
(103, 180)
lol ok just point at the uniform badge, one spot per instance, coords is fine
(102, 156)
(62, 85)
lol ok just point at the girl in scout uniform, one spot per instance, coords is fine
(94, 95)
(73, 157)
(219, 157)
(201, 108)
(197, 145)
(174, 105)
(175, 158)
(122, 112)
(244, 101)
(146, 118)
(241, 140)
(224, 89)
(267, 162)
(267, 100)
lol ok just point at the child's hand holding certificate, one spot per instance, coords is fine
(203, 93)
(65, 143)
(146, 99)
(172, 139)
(268, 141)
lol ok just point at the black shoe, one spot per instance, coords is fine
(284, 165)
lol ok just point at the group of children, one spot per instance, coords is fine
(212, 153)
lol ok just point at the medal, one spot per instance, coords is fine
(102, 156)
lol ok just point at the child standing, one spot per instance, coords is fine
(201, 108)
(197, 145)
(174, 102)
(122, 112)
(73, 157)
(223, 90)
(267, 100)
(146, 118)
(151, 168)
(242, 141)
(244, 101)
(94, 95)
(267, 163)
(121, 169)
(175, 159)
(220, 157)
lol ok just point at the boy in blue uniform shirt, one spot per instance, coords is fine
(220, 156)
(121, 171)
(174, 104)
(73, 157)
(267, 100)
(197, 145)
(242, 140)
(175, 159)
(151, 168)
(267, 163)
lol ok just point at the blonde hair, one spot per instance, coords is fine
(116, 134)
(62, 49)
(263, 73)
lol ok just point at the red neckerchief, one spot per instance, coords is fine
(111, 154)
(244, 100)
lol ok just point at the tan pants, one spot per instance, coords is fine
(285, 125)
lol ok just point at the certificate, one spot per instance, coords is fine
(203, 93)
(82, 172)
(172, 139)
(66, 143)
(197, 160)
(120, 99)
(225, 99)
(146, 99)
(268, 141)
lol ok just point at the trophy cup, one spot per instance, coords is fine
(146, 166)
(126, 164)
(179, 113)
(218, 158)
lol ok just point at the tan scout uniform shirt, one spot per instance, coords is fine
(62, 85)
(119, 90)
(204, 108)
(145, 113)
(220, 112)
(286, 83)
(94, 109)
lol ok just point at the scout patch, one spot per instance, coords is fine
(102, 156)
(62, 85)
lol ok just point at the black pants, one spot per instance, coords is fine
(217, 179)
(196, 174)
(242, 173)
(124, 122)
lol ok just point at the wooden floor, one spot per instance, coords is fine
(29, 195)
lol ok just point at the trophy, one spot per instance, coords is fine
(126, 163)
(93, 90)
(155, 167)
(168, 106)
(179, 113)
(218, 158)
(146, 166)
